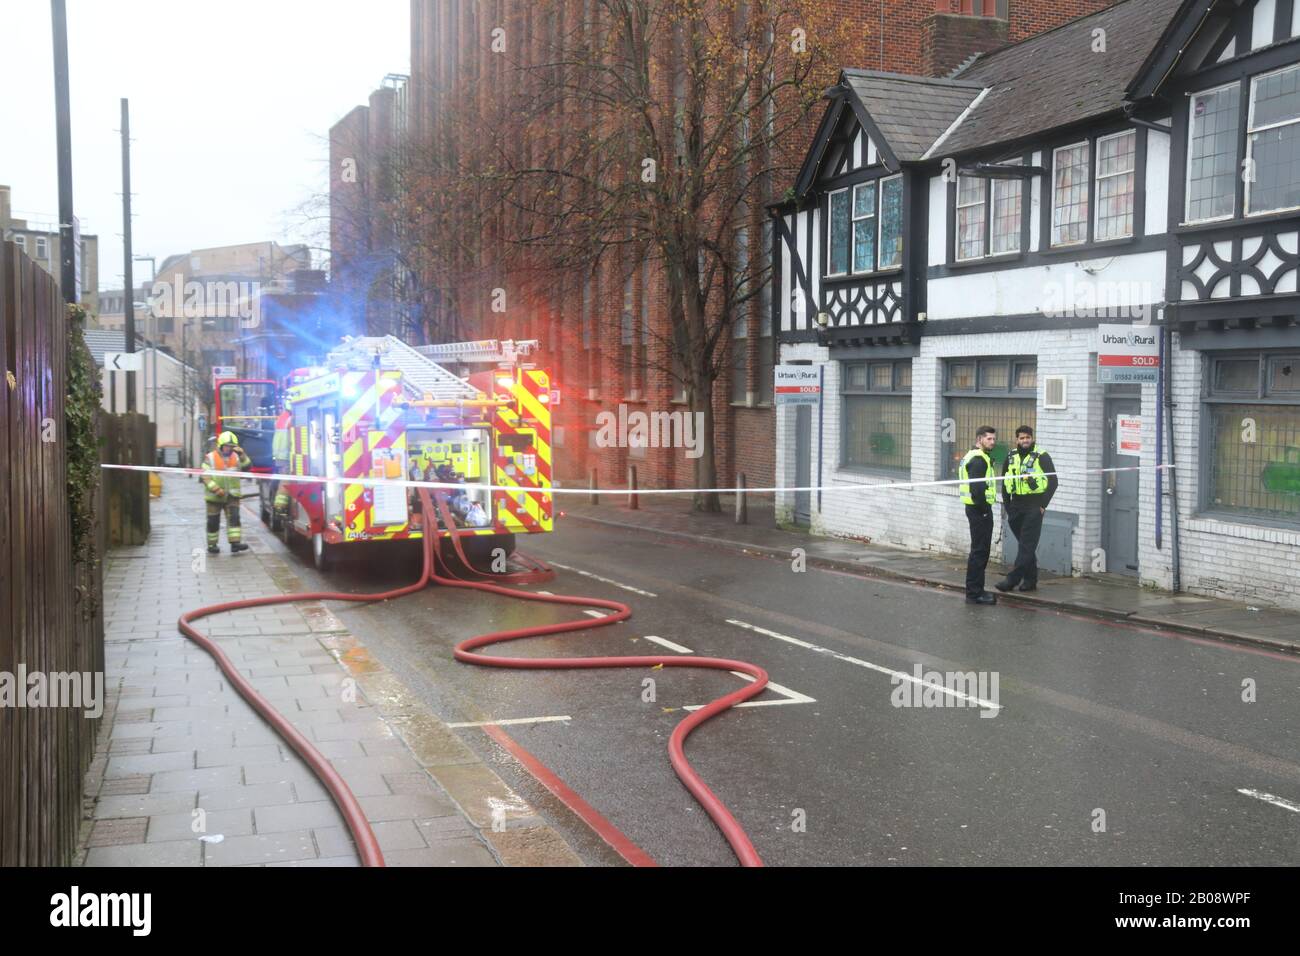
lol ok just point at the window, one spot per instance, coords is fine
(643, 369)
(1252, 430)
(763, 378)
(1005, 236)
(740, 361)
(1273, 143)
(864, 227)
(21, 242)
(867, 235)
(627, 342)
(1115, 162)
(1002, 392)
(42, 247)
(586, 313)
(877, 408)
(838, 242)
(1070, 195)
(1212, 155)
(678, 363)
(891, 222)
(973, 8)
(970, 217)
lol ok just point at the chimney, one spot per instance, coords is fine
(5, 209)
(958, 29)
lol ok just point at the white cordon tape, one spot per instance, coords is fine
(518, 489)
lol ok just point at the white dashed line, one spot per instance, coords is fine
(511, 720)
(1270, 798)
(979, 701)
(664, 642)
(597, 577)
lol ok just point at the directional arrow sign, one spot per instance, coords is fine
(123, 361)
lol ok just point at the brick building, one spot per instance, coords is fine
(605, 336)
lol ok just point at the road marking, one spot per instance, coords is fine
(788, 696)
(664, 642)
(597, 577)
(1269, 798)
(979, 701)
(511, 720)
(593, 613)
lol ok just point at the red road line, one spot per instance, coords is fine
(589, 815)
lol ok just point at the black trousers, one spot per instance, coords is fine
(1027, 525)
(980, 519)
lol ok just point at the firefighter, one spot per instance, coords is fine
(221, 492)
(280, 457)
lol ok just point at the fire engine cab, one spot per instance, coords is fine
(470, 413)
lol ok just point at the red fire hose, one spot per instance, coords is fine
(367, 844)
(464, 652)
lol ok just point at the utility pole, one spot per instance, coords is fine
(153, 334)
(127, 279)
(63, 140)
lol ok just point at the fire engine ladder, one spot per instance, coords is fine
(506, 351)
(419, 372)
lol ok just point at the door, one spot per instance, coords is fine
(1119, 515)
(803, 464)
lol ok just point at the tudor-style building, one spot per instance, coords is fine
(952, 245)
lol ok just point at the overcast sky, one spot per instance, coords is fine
(231, 104)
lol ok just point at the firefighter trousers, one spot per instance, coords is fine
(231, 508)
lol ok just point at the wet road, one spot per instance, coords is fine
(1110, 744)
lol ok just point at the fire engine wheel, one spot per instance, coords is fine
(322, 555)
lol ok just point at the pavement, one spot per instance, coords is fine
(186, 773)
(1113, 598)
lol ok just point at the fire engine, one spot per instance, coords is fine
(247, 407)
(382, 409)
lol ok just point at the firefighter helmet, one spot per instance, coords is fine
(227, 438)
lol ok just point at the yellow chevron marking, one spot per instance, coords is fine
(351, 454)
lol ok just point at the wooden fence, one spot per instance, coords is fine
(51, 617)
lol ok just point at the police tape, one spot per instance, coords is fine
(846, 486)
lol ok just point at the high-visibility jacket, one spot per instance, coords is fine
(280, 440)
(963, 473)
(1024, 473)
(214, 463)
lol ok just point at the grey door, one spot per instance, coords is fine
(803, 464)
(1119, 510)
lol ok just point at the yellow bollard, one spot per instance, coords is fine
(155, 485)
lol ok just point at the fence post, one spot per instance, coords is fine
(742, 500)
(592, 485)
(631, 488)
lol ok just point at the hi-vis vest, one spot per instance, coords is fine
(213, 463)
(963, 473)
(1024, 476)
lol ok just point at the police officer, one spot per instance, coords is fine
(979, 494)
(1026, 490)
